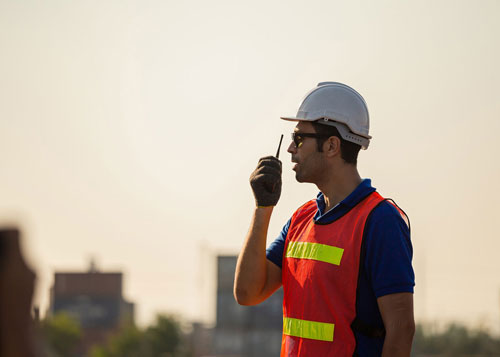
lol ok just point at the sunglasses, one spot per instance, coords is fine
(298, 137)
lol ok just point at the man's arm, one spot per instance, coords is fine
(388, 264)
(397, 314)
(256, 277)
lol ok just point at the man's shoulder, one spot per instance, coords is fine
(387, 230)
(310, 203)
(309, 206)
(386, 212)
(386, 223)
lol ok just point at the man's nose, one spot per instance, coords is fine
(291, 148)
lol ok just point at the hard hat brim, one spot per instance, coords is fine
(344, 131)
(295, 119)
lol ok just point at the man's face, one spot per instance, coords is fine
(308, 161)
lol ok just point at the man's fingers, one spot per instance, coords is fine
(270, 170)
(269, 182)
(270, 161)
(272, 186)
(265, 179)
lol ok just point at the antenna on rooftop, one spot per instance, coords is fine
(93, 266)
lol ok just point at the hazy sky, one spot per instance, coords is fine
(128, 131)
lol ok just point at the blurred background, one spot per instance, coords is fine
(128, 131)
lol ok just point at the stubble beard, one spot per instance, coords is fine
(309, 173)
(300, 176)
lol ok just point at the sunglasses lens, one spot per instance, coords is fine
(297, 140)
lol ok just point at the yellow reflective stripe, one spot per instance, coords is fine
(315, 251)
(308, 329)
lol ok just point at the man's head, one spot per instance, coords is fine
(333, 124)
(316, 147)
(338, 105)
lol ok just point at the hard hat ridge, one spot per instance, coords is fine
(337, 104)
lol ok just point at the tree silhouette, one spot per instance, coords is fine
(162, 339)
(454, 340)
(62, 333)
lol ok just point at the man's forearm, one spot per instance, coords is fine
(397, 314)
(250, 277)
(398, 340)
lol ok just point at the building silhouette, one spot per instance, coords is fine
(95, 299)
(245, 331)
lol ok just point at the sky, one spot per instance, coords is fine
(129, 129)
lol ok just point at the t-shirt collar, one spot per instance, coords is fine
(359, 193)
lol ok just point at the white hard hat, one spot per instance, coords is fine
(339, 105)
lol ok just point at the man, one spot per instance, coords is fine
(344, 259)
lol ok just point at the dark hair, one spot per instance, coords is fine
(348, 150)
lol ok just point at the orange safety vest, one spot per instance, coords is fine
(320, 275)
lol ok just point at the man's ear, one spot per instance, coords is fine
(331, 146)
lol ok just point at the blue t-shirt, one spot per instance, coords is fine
(387, 265)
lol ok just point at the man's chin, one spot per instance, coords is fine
(299, 178)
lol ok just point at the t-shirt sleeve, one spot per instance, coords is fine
(274, 252)
(389, 252)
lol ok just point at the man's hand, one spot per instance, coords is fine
(266, 181)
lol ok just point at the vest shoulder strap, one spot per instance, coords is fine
(358, 325)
